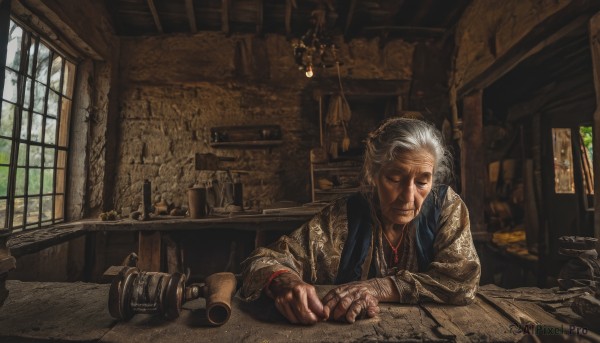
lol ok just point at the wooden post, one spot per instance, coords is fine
(260, 238)
(260, 8)
(472, 162)
(7, 262)
(289, 4)
(191, 14)
(225, 4)
(595, 48)
(149, 251)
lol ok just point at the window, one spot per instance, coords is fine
(563, 161)
(34, 131)
(587, 153)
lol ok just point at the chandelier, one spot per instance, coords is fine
(315, 49)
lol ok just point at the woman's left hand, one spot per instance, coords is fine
(355, 299)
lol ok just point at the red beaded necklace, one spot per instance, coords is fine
(395, 249)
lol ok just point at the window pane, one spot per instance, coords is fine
(3, 181)
(60, 180)
(48, 186)
(27, 97)
(43, 57)
(3, 214)
(588, 141)
(7, 119)
(36, 127)
(49, 157)
(563, 161)
(24, 125)
(22, 159)
(50, 136)
(18, 213)
(31, 53)
(69, 79)
(20, 183)
(55, 72)
(33, 209)
(58, 206)
(10, 86)
(46, 208)
(39, 96)
(13, 53)
(35, 156)
(586, 145)
(65, 115)
(5, 145)
(52, 104)
(33, 187)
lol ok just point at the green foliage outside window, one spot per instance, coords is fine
(586, 134)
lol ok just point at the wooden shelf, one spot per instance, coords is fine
(344, 168)
(337, 190)
(332, 170)
(248, 136)
(246, 144)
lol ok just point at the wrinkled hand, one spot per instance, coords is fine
(296, 300)
(356, 299)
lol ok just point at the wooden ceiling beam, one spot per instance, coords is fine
(421, 13)
(410, 29)
(191, 15)
(349, 18)
(453, 16)
(225, 6)
(544, 34)
(395, 9)
(155, 16)
(260, 8)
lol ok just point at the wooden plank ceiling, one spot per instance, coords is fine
(408, 19)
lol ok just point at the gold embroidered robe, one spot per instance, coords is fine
(313, 252)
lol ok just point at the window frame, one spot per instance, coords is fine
(60, 146)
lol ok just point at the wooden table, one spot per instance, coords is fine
(151, 232)
(37, 311)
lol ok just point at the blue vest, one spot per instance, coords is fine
(360, 234)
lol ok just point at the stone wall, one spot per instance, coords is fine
(102, 138)
(480, 42)
(175, 88)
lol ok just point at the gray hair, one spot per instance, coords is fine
(397, 135)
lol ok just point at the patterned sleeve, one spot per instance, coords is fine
(312, 252)
(453, 276)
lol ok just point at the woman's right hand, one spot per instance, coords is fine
(296, 300)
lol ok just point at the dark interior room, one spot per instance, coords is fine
(299, 170)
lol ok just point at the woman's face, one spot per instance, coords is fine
(403, 185)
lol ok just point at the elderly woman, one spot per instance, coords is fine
(404, 238)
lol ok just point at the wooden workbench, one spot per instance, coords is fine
(151, 232)
(78, 312)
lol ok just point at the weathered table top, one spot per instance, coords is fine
(35, 240)
(36, 311)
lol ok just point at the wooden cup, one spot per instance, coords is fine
(197, 202)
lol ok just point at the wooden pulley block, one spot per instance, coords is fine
(133, 291)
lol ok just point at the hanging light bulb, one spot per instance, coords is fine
(316, 47)
(309, 71)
